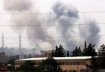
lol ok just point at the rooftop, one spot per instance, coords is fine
(58, 58)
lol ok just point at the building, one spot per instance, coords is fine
(4, 58)
(2, 54)
(48, 53)
(45, 54)
(3, 68)
(66, 63)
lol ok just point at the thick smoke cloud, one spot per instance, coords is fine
(17, 5)
(90, 32)
(35, 31)
(63, 17)
(66, 17)
(94, 33)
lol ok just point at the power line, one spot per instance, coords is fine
(53, 37)
(93, 12)
(51, 13)
(55, 42)
(53, 25)
(2, 41)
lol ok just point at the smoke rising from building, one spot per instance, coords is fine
(64, 17)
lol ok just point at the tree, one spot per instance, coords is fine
(67, 53)
(101, 57)
(50, 65)
(76, 52)
(27, 66)
(90, 50)
(58, 52)
(94, 66)
(98, 62)
(85, 49)
(11, 61)
(72, 71)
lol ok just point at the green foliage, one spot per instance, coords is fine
(11, 68)
(94, 66)
(58, 52)
(72, 71)
(101, 57)
(68, 54)
(90, 50)
(27, 66)
(1, 63)
(11, 61)
(98, 62)
(50, 65)
(77, 52)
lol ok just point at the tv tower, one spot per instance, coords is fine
(20, 50)
(2, 41)
(21, 55)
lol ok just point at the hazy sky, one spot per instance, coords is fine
(8, 16)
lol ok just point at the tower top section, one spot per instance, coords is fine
(2, 41)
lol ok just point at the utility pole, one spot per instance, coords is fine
(3, 47)
(3, 41)
(20, 51)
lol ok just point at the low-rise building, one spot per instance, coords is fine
(66, 63)
(45, 54)
(3, 68)
(4, 58)
(48, 53)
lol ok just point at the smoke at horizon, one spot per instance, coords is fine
(55, 28)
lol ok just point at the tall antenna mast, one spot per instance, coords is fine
(3, 41)
(21, 56)
(20, 50)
